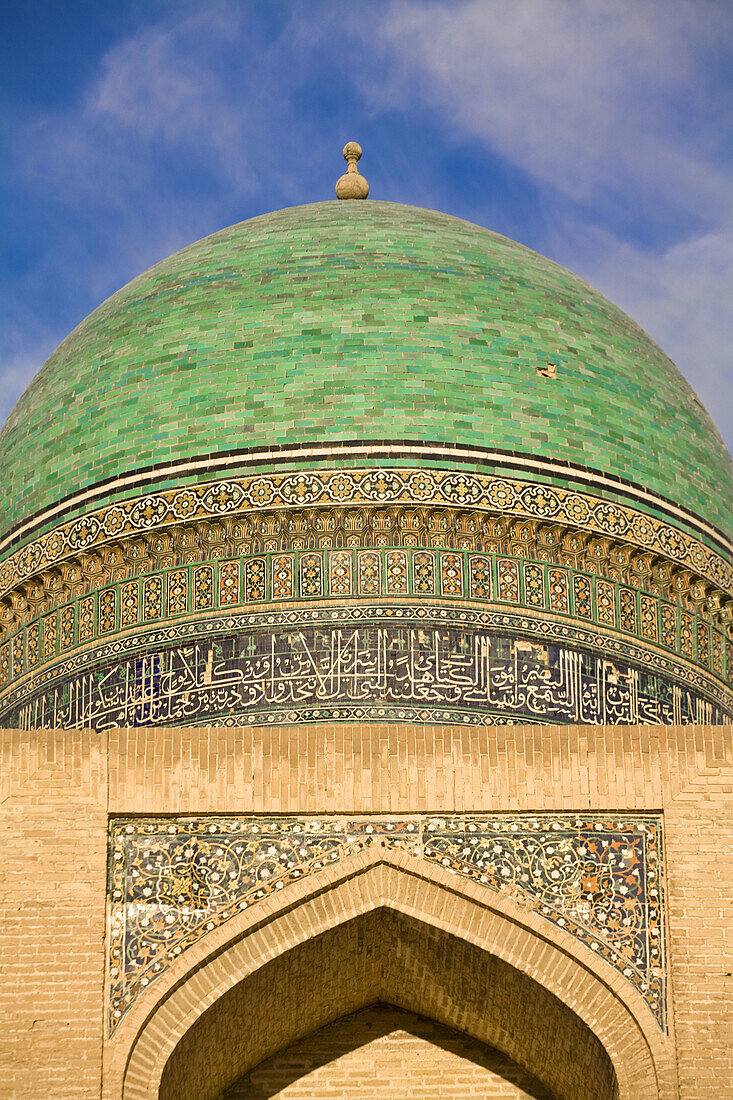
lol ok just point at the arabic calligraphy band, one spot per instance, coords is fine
(400, 672)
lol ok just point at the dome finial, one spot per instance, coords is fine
(352, 185)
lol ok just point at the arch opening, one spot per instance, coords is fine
(384, 1052)
(384, 956)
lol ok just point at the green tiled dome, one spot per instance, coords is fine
(359, 322)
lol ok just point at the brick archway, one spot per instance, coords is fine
(382, 1052)
(383, 926)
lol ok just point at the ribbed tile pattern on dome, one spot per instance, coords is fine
(359, 321)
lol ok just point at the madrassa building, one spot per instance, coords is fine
(366, 677)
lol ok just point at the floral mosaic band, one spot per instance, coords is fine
(598, 878)
(418, 487)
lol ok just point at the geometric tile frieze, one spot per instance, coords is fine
(599, 878)
(276, 577)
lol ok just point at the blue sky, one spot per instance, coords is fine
(597, 132)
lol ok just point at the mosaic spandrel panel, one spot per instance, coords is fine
(600, 879)
(400, 663)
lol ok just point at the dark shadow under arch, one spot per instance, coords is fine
(385, 956)
(335, 1042)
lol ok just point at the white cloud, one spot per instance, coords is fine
(158, 91)
(612, 107)
(194, 96)
(585, 96)
(681, 298)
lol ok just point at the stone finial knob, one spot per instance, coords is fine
(351, 185)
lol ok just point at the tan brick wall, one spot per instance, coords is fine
(56, 790)
(52, 915)
(319, 769)
(386, 1054)
(385, 956)
(700, 885)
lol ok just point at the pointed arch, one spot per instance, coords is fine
(474, 960)
(381, 1051)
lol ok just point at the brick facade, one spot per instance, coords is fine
(383, 1052)
(450, 940)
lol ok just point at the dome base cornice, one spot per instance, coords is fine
(533, 500)
(235, 465)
